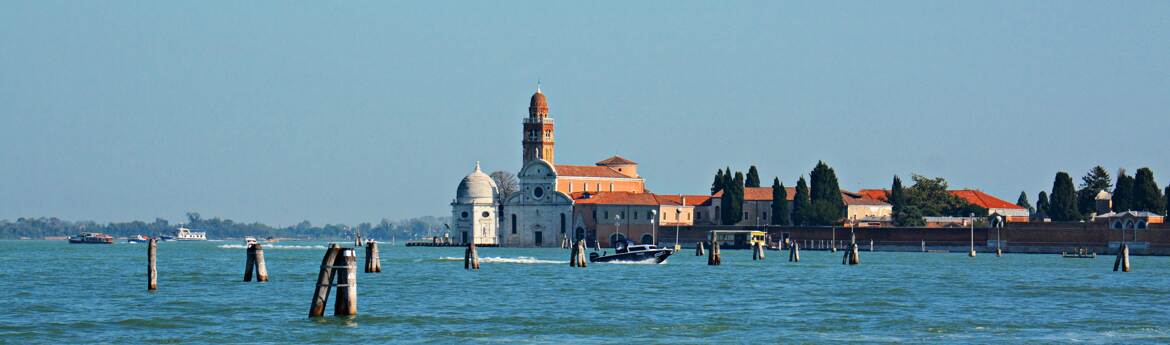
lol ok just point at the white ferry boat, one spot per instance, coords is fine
(185, 234)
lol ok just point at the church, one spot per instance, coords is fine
(540, 213)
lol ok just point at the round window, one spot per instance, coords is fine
(538, 192)
(465, 214)
(486, 214)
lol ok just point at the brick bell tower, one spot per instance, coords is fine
(538, 130)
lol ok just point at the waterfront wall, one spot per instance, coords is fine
(1015, 237)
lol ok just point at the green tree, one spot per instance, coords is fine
(1166, 205)
(800, 203)
(1146, 195)
(1062, 205)
(828, 207)
(1022, 201)
(901, 210)
(779, 203)
(737, 200)
(753, 177)
(717, 185)
(931, 197)
(1123, 193)
(1095, 181)
(1042, 204)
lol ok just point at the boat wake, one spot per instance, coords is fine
(649, 261)
(515, 260)
(271, 246)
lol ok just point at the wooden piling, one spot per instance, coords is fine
(1122, 261)
(699, 249)
(573, 255)
(794, 252)
(762, 249)
(998, 252)
(854, 254)
(324, 282)
(346, 266)
(471, 257)
(755, 252)
(474, 257)
(713, 258)
(582, 262)
(151, 268)
(249, 262)
(258, 259)
(373, 258)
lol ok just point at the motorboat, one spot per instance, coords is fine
(249, 240)
(1079, 253)
(92, 238)
(138, 239)
(627, 251)
(185, 234)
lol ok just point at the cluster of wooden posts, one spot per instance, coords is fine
(1122, 261)
(577, 255)
(471, 258)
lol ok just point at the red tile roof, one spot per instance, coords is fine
(616, 160)
(615, 198)
(760, 193)
(984, 200)
(876, 194)
(692, 200)
(975, 197)
(588, 171)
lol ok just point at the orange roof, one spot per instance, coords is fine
(984, 200)
(588, 171)
(975, 197)
(616, 160)
(615, 198)
(760, 193)
(692, 200)
(876, 194)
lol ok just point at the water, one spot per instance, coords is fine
(55, 292)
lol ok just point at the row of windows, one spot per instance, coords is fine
(585, 187)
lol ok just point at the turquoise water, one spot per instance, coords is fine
(55, 292)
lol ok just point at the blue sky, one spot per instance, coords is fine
(356, 111)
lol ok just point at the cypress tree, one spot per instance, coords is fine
(1123, 193)
(1063, 203)
(1146, 195)
(780, 214)
(753, 177)
(1042, 204)
(1022, 201)
(800, 203)
(897, 199)
(827, 205)
(717, 185)
(1166, 205)
(737, 197)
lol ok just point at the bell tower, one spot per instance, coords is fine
(538, 130)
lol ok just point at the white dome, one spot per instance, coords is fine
(476, 187)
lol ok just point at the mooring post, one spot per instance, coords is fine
(794, 252)
(151, 269)
(346, 302)
(573, 254)
(582, 262)
(324, 282)
(373, 258)
(762, 249)
(474, 257)
(250, 262)
(467, 257)
(261, 268)
(1122, 261)
(699, 249)
(713, 258)
(871, 245)
(755, 252)
(854, 255)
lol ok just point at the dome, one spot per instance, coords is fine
(538, 101)
(476, 187)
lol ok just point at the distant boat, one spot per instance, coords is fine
(138, 239)
(1080, 253)
(249, 240)
(185, 234)
(92, 238)
(165, 238)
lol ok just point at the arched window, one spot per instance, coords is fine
(1129, 224)
(513, 223)
(647, 239)
(562, 223)
(579, 234)
(1116, 224)
(1141, 224)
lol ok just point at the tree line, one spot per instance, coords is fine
(818, 200)
(216, 228)
(1066, 203)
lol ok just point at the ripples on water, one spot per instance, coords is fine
(61, 293)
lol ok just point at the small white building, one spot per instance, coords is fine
(473, 212)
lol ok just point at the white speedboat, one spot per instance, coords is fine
(249, 240)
